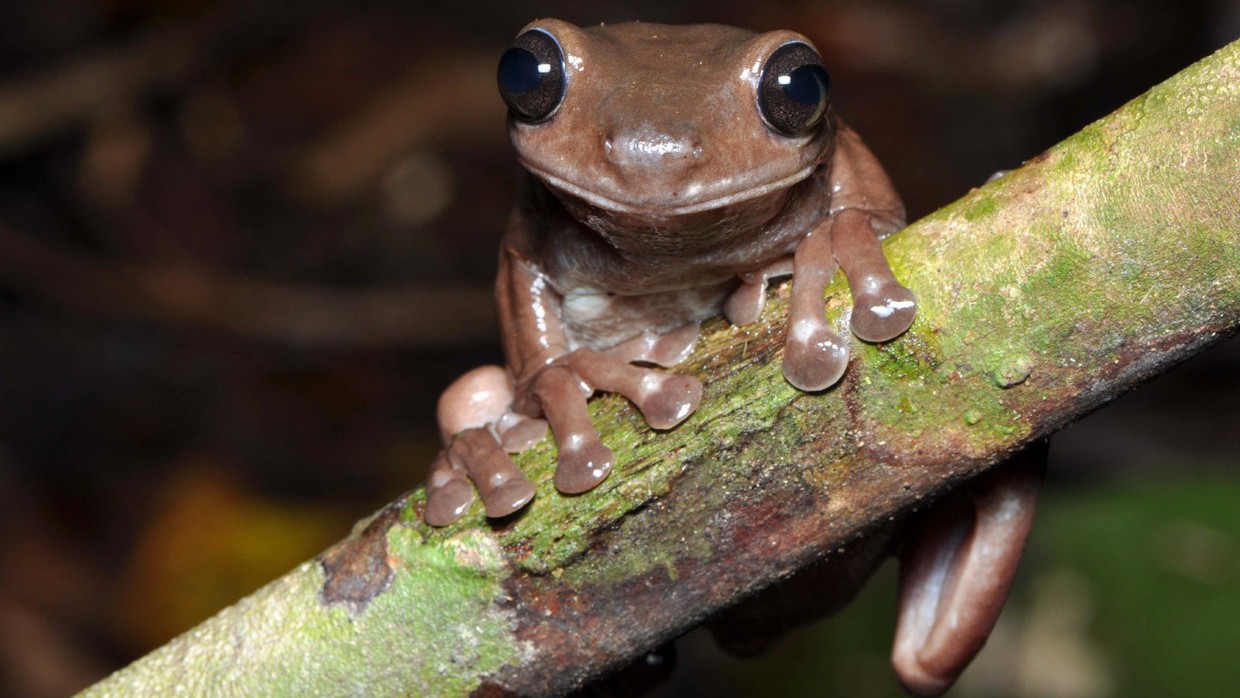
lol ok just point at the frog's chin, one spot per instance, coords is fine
(667, 208)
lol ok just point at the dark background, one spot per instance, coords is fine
(226, 229)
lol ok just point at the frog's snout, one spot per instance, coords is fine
(645, 148)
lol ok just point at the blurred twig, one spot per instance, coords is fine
(38, 106)
(357, 152)
(409, 317)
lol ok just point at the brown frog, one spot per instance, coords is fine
(669, 173)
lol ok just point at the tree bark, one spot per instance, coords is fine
(1043, 295)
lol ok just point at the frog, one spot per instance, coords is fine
(668, 175)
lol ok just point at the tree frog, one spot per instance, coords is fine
(668, 174)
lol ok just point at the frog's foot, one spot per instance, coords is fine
(561, 390)
(473, 413)
(883, 310)
(955, 575)
(667, 349)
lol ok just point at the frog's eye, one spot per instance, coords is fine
(531, 76)
(793, 90)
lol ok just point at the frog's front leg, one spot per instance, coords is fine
(815, 356)
(486, 413)
(561, 391)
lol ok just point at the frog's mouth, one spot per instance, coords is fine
(668, 207)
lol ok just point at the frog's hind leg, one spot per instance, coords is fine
(882, 307)
(472, 412)
(956, 572)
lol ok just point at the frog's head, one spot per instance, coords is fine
(667, 135)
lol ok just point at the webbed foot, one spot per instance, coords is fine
(481, 424)
(478, 426)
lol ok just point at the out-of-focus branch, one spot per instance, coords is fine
(40, 104)
(68, 95)
(419, 317)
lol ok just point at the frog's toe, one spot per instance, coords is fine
(667, 399)
(521, 433)
(664, 399)
(814, 356)
(667, 349)
(448, 495)
(508, 497)
(582, 466)
(884, 313)
(498, 480)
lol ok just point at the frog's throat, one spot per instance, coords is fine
(598, 200)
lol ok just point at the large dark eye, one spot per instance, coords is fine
(531, 76)
(793, 90)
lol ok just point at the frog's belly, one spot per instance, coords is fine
(598, 320)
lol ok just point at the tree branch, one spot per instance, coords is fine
(1044, 294)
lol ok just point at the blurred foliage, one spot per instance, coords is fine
(209, 542)
(1129, 590)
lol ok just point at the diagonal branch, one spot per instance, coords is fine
(1099, 264)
